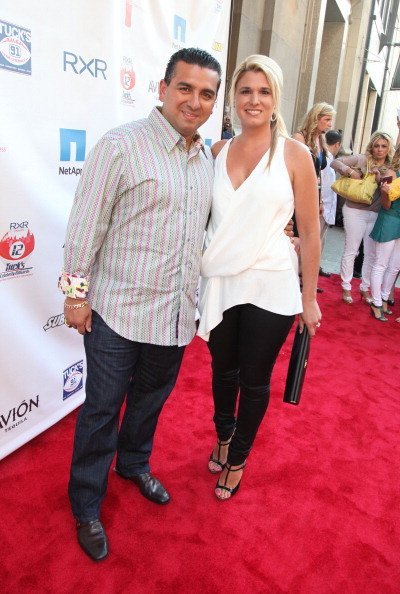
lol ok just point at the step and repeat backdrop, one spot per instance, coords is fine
(69, 71)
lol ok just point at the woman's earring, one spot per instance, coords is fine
(273, 117)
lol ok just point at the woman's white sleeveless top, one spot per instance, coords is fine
(248, 258)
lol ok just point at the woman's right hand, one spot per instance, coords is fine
(310, 317)
(355, 174)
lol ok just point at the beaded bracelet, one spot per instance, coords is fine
(76, 305)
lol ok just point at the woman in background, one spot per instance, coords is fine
(386, 234)
(316, 122)
(250, 287)
(359, 219)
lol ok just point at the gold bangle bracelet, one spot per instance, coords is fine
(76, 305)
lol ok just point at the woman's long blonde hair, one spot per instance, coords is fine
(309, 126)
(273, 72)
(375, 136)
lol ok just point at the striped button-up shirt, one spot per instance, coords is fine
(136, 230)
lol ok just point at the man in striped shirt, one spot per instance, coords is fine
(131, 268)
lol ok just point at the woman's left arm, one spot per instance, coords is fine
(304, 181)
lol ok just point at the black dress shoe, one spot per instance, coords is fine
(93, 540)
(149, 486)
(323, 273)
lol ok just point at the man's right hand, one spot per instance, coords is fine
(81, 318)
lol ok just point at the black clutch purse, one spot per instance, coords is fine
(297, 366)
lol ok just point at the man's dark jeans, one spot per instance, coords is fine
(117, 368)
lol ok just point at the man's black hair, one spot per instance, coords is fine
(192, 55)
(332, 137)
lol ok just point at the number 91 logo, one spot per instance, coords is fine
(14, 51)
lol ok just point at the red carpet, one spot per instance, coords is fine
(318, 510)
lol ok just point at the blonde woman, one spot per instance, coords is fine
(250, 287)
(316, 122)
(386, 234)
(359, 219)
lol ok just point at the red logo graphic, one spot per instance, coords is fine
(128, 13)
(127, 78)
(15, 247)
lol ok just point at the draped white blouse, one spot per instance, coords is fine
(248, 258)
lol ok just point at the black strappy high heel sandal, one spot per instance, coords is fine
(231, 490)
(217, 460)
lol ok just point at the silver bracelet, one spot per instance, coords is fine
(76, 305)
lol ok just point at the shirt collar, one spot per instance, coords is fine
(169, 136)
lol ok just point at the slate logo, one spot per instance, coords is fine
(15, 48)
(72, 148)
(72, 379)
(95, 67)
(179, 31)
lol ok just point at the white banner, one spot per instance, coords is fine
(69, 71)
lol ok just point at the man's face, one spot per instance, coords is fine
(334, 148)
(189, 98)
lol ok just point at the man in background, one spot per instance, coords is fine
(333, 140)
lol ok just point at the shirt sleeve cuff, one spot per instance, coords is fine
(73, 286)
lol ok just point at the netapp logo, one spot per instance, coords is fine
(72, 148)
(179, 32)
(95, 66)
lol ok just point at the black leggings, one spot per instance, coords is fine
(244, 348)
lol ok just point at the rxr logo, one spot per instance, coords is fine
(95, 67)
(20, 226)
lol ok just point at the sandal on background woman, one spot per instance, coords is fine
(377, 313)
(346, 296)
(365, 296)
(385, 308)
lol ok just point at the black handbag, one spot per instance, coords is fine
(297, 366)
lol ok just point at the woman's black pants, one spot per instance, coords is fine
(244, 348)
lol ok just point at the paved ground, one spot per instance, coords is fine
(333, 250)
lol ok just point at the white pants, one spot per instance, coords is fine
(358, 225)
(384, 270)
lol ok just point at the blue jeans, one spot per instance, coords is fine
(117, 368)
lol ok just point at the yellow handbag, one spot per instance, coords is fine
(394, 191)
(356, 190)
